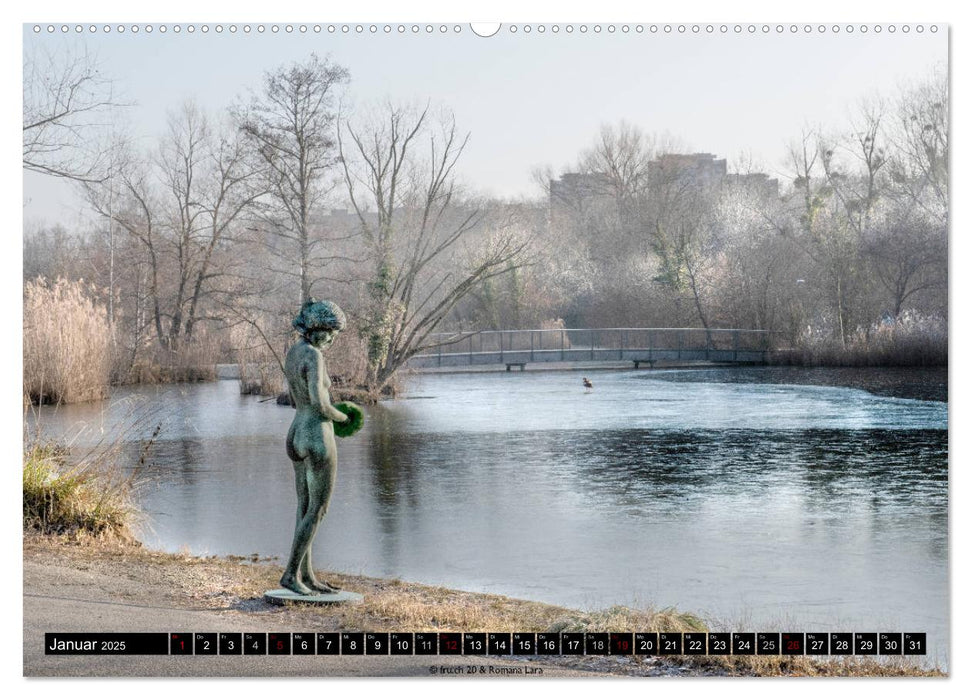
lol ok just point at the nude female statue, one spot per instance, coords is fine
(310, 442)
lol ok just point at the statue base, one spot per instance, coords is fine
(283, 596)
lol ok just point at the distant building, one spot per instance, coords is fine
(701, 169)
(342, 221)
(575, 193)
(574, 188)
(757, 183)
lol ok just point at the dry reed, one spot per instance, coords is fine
(67, 343)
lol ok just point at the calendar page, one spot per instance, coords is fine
(525, 349)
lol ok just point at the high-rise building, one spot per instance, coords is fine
(699, 169)
(573, 194)
(756, 183)
(579, 194)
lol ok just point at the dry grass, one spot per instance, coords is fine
(808, 666)
(619, 619)
(395, 605)
(90, 498)
(67, 343)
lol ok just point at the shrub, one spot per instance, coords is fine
(910, 340)
(89, 498)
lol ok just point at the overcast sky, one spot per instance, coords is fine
(528, 99)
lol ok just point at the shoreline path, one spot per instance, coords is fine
(69, 590)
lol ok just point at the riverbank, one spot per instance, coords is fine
(94, 586)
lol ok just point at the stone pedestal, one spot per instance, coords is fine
(282, 596)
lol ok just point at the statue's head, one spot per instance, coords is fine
(317, 316)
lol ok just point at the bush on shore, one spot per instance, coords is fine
(90, 498)
(910, 340)
(261, 374)
(194, 361)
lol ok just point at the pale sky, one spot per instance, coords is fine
(528, 99)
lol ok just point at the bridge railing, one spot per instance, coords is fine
(576, 344)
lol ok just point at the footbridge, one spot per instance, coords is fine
(639, 346)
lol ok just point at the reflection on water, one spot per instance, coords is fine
(755, 503)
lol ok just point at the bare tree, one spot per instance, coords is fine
(428, 250)
(908, 244)
(683, 232)
(920, 135)
(620, 153)
(129, 199)
(858, 189)
(684, 237)
(290, 128)
(183, 206)
(908, 255)
(67, 103)
(819, 221)
(52, 252)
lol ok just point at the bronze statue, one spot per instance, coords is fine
(310, 442)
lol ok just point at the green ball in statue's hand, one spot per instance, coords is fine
(354, 422)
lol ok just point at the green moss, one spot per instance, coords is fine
(354, 422)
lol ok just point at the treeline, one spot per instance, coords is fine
(207, 242)
(844, 254)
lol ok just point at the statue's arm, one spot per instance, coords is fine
(319, 396)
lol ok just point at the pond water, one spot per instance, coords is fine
(758, 498)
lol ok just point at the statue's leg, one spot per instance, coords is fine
(307, 574)
(292, 579)
(320, 477)
(305, 571)
(300, 481)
